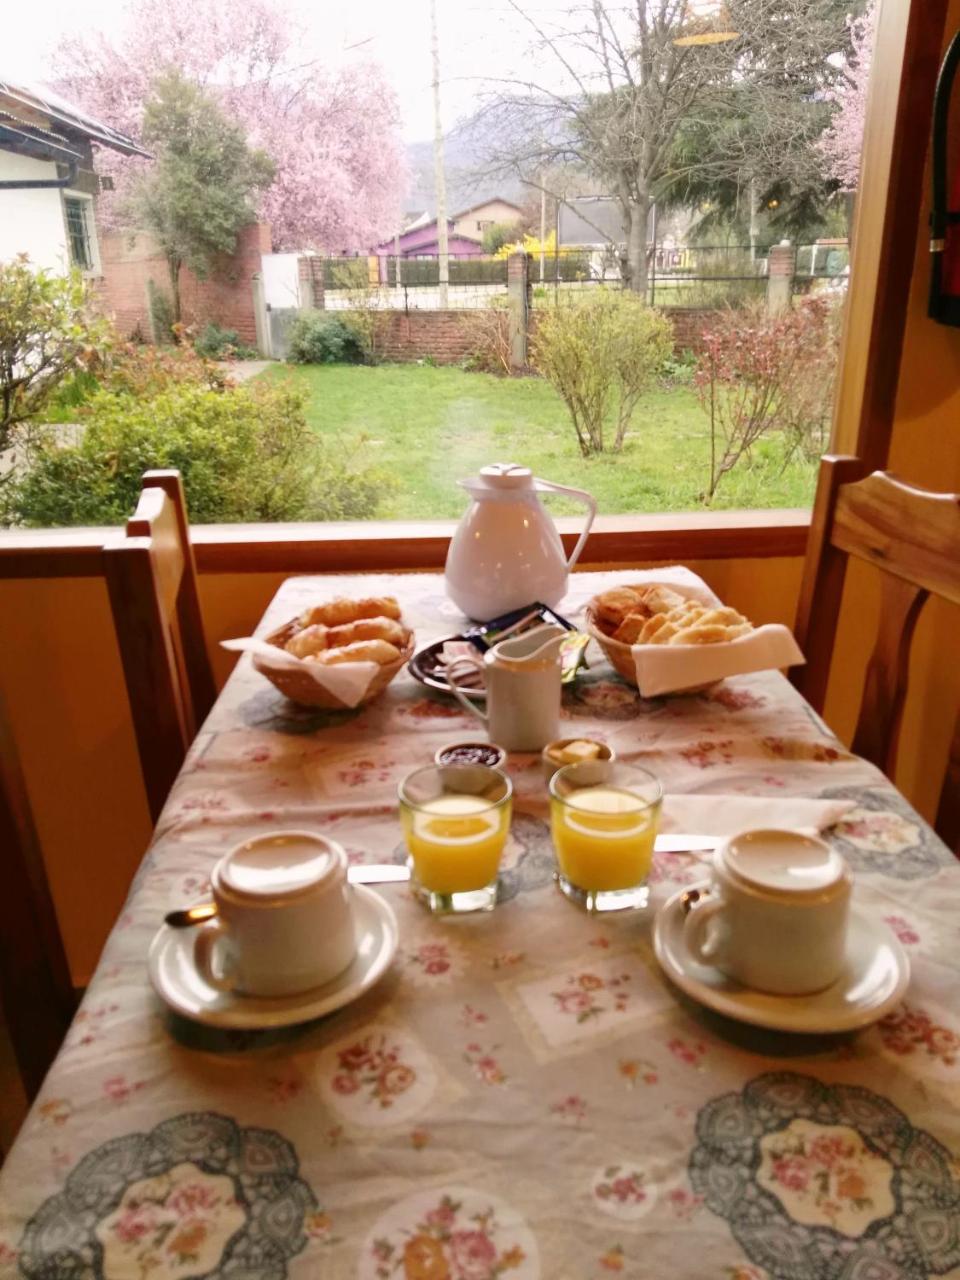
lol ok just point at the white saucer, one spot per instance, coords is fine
(177, 982)
(872, 983)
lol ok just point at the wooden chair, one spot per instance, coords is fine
(152, 580)
(36, 994)
(913, 536)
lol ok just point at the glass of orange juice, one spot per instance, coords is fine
(455, 819)
(603, 819)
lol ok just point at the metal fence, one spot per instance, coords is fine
(677, 276)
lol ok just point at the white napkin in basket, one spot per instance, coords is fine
(664, 668)
(348, 681)
(728, 815)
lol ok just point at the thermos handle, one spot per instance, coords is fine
(581, 496)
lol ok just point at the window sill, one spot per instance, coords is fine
(407, 546)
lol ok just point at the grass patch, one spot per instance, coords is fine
(428, 427)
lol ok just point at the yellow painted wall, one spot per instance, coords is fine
(62, 679)
(925, 450)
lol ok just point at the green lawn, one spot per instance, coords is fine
(429, 426)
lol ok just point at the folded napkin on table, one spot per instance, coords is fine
(348, 681)
(729, 815)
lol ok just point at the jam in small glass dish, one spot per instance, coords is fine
(486, 753)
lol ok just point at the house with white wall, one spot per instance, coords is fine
(48, 182)
(473, 222)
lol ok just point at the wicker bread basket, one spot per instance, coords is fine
(300, 686)
(620, 655)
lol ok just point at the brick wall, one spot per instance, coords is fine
(226, 298)
(413, 335)
(689, 324)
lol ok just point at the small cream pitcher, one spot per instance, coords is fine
(523, 688)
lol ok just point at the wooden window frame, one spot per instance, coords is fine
(892, 191)
(395, 546)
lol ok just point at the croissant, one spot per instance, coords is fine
(366, 629)
(379, 651)
(309, 641)
(335, 613)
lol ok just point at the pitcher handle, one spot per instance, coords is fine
(581, 496)
(455, 689)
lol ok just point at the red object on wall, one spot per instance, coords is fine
(225, 298)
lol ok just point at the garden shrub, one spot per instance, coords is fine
(68, 401)
(245, 454)
(146, 370)
(488, 331)
(214, 343)
(161, 312)
(317, 337)
(761, 373)
(49, 332)
(601, 351)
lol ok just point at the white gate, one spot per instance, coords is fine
(281, 282)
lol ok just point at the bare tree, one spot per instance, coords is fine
(613, 91)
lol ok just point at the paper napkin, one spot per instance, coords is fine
(728, 815)
(347, 681)
(668, 668)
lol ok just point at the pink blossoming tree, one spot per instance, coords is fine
(333, 135)
(842, 141)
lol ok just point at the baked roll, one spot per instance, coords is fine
(367, 629)
(379, 651)
(630, 628)
(334, 613)
(307, 642)
(614, 606)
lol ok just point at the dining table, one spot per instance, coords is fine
(523, 1094)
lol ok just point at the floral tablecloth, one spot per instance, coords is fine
(523, 1095)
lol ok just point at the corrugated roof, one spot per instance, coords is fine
(14, 98)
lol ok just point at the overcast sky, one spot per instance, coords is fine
(475, 39)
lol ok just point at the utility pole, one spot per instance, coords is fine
(543, 225)
(439, 177)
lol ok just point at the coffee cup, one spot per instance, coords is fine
(284, 921)
(775, 916)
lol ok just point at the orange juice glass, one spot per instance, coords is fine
(455, 820)
(603, 819)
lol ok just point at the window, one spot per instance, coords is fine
(697, 431)
(79, 217)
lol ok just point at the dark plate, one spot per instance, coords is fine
(426, 667)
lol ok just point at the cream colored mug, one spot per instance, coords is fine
(775, 916)
(284, 921)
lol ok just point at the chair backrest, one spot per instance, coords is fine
(36, 994)
(152, 580)
(913, 536)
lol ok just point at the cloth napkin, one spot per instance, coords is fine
(348, 681)
(709, 815)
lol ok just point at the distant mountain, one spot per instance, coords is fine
(462, 157)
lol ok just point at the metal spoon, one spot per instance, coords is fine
(373, 873)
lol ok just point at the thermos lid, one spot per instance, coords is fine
(506, 475)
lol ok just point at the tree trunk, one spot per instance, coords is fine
(173, 267)
(637, 246)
